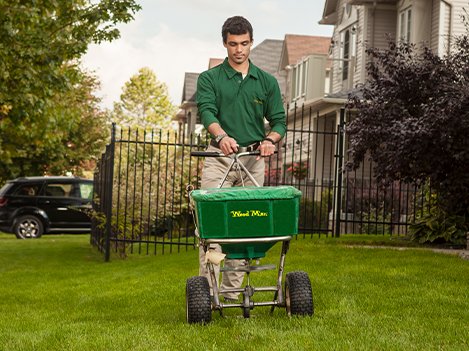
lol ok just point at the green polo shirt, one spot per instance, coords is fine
(240, 105)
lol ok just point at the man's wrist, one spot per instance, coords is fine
(269, 140)
(219, 137)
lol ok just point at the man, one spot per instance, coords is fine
(233, 99)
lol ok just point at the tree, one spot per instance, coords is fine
(37, 38)
(412, 117)
(69, 134)
(40, 82)
(144, 102)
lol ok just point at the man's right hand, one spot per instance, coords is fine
(228, 145)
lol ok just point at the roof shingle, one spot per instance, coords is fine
(298, 46)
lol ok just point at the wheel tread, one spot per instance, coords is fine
(198, 302)
(300, 292)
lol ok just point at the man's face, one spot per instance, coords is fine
(238, 47)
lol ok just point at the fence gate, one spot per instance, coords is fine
(142, 181)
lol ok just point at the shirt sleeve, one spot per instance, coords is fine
(206, 100)
(275, 111)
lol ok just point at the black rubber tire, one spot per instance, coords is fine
(28, 227)
(198, 302)
(298, 294)
(246, 310)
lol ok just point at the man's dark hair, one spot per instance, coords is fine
(236, 25)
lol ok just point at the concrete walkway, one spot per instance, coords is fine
(464, 254)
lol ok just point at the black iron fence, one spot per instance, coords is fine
(142, 181)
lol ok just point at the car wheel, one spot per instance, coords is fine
(28, 227)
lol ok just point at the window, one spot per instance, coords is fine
(405, 27)
(347, 50)
(58, 190)
(86, 190)
(346, 55)
(299, 74)
(28, 190)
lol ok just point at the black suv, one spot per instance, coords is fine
(31, 206)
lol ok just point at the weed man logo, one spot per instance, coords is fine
(248, 213)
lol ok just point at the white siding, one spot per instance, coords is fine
(344, 23)
(429, 25)
(336, 64)
(446, 23)
(337, 80)
(360, 52)
(457, 26)
(435, 25)
(444, 28)
(316, 76)
(385, 24)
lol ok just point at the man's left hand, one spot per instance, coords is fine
(266, 148)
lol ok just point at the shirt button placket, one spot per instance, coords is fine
(239, 81)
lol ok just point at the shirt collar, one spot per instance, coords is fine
(231, 72)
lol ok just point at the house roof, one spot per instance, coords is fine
(344, 94)
(190, 86)
(266, 55)
(370, 2)
(329, 15)
(296, 47)
(213, 62)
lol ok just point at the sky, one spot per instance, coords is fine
(176, 36)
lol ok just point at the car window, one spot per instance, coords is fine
(27, 189)
(5, 188)
(59, 190)
(86, 190)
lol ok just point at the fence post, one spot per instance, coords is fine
(339, 169)
(108, 198)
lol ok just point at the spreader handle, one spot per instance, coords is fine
(207, 154)
(221, 154)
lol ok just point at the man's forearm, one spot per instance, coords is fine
(215, 129)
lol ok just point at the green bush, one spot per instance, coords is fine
(314, 215)
(434, 225)
(375, 221)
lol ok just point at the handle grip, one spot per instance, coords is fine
(221, 154)
(207, 154)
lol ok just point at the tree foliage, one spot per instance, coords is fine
(49, 117)
(68, 135)
(144, 102)
(38, 37)
(413, 119)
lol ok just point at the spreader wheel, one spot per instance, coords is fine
(298, 294)
(198, 303)
(246, 306)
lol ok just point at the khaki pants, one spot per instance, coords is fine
(213, 171)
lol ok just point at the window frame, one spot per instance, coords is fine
(405, 25)
(299, 79)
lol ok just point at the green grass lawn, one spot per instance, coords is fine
(56, 293)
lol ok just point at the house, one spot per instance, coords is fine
(187, 117)
(305, 62)
(267, 55)
(365, 23)
(187, 114)
(358, 24)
